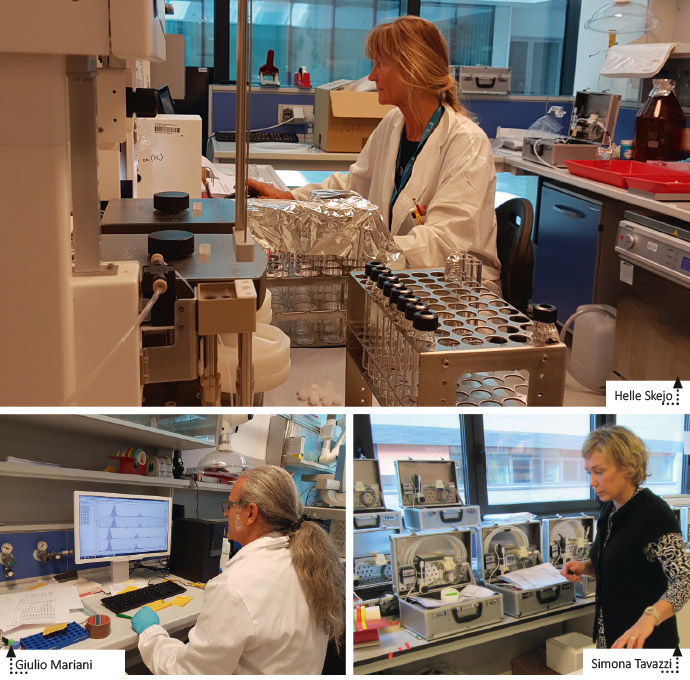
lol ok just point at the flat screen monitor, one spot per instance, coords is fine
(165, 100)
(120, 528)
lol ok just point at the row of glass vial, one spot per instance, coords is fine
(397, 325)
(462, 266)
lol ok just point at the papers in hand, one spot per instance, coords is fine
(539, 576)
(469, 592)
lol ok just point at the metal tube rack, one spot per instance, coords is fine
(482, 354)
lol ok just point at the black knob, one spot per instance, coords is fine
(172, 244)
(171, 201)
(545, 313)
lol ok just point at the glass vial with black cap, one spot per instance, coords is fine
(544, 331)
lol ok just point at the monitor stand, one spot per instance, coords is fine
(120, 571)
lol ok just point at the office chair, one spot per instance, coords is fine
(514, 220)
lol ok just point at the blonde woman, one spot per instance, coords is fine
(276, 605)
(426, 152)
(638, 556)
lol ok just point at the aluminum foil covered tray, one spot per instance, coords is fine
(332, 223)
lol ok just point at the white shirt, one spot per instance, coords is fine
(255, 620)
(453, 176)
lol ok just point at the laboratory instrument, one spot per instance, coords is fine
(424, 565)
(104, 524)
(482, 353)
(569, 538)
(430, 496)
(133, 599)
(504, 548)
(484, 80)
(372, 527)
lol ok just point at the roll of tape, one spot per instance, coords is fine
(141, 457)
(450, 595)
(372, 613)
(98, 626)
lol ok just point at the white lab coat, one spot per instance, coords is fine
(453, 176)
(255, 620)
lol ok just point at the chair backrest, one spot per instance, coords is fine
(514, 220)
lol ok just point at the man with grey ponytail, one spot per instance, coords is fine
(427, 165)
(278, 602)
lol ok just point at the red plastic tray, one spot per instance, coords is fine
(617, 172)
(660, 186)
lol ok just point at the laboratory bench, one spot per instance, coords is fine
(493, 646)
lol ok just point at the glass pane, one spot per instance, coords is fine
(526, 36)
(197, 426)
(326, 37)
(416, 437)
(663, 435)
(194, 20)
(535, 458)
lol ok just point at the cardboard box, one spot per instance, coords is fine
(343, 120)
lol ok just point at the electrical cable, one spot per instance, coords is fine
(99, 369)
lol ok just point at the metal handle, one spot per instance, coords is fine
(488, 82)
(545, 600)
(450, 516)
(470, 617)
(570, 212)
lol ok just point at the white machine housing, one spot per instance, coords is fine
(425, 564)
(507, 547)
(371, 553)
(430, 496)
(569, 538)
(368, 493)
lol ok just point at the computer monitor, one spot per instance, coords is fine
(165, 100)
(120, 527)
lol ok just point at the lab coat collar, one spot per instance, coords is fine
(272, 541)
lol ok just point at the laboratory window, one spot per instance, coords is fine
(664, 436)
(428, 437)
(194, 20)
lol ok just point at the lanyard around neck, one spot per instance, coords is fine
(433, 122)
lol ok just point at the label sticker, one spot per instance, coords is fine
(626, 272)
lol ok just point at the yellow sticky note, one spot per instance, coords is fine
(180, 600)
(128, 589)
(197, 585)
(158, 605)
(54, 629)
(38, 585)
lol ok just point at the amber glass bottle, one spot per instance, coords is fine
(659, 125)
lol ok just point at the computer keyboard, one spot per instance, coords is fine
(138, 598)
(290, 137)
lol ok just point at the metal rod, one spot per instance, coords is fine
(245, 377)
(210, 378)
(241, 121)
(83, 118)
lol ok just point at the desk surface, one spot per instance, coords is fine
(376, 658)
(680, 210)
(121, 634)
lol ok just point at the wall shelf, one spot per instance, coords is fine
(107, 427)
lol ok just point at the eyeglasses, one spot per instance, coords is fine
(226, 505)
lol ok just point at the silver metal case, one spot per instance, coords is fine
(457, 516)
(425, 564)
(507, 547)
(569, 538)
(371, 546)
(368, 494)
(484, 80)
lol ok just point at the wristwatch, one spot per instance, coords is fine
(652, 611)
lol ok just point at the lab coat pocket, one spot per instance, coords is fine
(408, 224)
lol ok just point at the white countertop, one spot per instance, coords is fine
(680, 210)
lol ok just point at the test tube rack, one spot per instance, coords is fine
(309, 297)
(482, 353)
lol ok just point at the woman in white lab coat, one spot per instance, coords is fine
(278, 601)
(426, 153)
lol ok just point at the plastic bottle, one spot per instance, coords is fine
(659, 125)
(591, 357)
(545, 331)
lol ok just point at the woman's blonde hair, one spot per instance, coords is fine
(621, 446)
(420, 53)
(313, 553)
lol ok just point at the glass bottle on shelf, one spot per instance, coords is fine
(659, 125)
